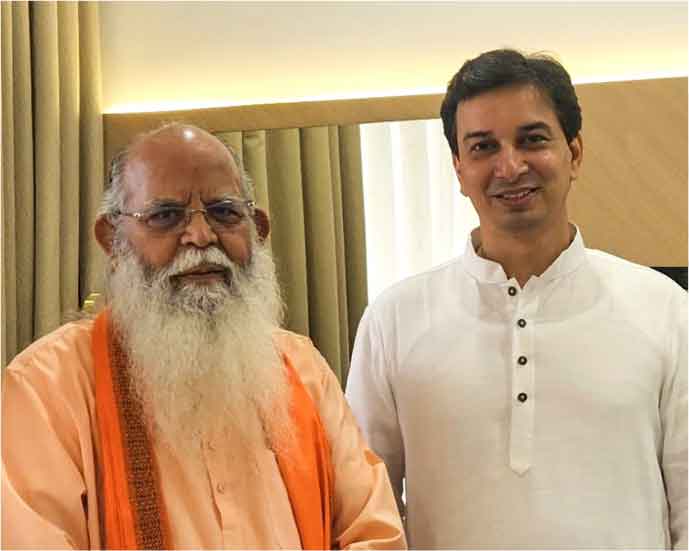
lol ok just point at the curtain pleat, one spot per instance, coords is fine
(378, 169)
(309, 180)
(23, 232)
(353, 227)
(339, 246)
(46, 95)
(68, 120)
(254, 155)
(7, 242)
(321, 257)
(90, 148)
(288, 238)
(412, 199)
(49, 178)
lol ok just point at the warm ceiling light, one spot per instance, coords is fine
(150, 107)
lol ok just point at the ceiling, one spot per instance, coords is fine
(181, 55)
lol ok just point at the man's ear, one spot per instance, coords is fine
(262, 223)
(458, 167)
(105, 233)
(576, 148)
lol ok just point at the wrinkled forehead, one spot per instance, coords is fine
(181, 163)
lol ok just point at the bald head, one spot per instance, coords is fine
(180, 165)
(175, 157)
(169, 139)
(174, 140)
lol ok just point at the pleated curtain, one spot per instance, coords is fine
(52, 164)
(412, 200)
(309, 181)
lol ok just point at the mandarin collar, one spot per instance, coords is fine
(488, 271)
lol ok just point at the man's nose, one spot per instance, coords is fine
(510, 164)
(198, 232)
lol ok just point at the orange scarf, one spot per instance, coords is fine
(132, 512)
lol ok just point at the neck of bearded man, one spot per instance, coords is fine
(202, 358)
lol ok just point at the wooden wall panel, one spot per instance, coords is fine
(631, 197)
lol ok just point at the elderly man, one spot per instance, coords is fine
(182, 416)
(531, 393)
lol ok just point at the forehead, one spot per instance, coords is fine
(180, 167)
(505, 108)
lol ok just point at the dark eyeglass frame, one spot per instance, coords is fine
(146, 216)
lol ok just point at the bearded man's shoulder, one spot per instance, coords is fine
(59, 361)
(310, 365)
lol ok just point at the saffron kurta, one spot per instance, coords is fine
(51, 452)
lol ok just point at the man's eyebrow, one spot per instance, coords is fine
(164, 202)
(221, 197)
(477, 134)
(540, 125)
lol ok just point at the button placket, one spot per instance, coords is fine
(221, 487)
(522, 397)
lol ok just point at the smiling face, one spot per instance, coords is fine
(514, 162)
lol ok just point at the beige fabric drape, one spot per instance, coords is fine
(309, 180)
(52, 168)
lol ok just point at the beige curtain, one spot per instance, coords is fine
(52, 164)
(309, 180)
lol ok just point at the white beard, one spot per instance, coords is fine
(202, 357)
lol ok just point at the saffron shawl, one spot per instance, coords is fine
(131, 508)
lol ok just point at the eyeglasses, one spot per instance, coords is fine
(221, 216)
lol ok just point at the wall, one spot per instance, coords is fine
(631, 197)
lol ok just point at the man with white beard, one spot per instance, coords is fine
(182, 416)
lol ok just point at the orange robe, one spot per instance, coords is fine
(51, 449)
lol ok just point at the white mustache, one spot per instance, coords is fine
(188, 259)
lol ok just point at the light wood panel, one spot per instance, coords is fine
(630, 200)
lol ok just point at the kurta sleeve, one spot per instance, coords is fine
(43, 489)
(371, 398)
(673, 414)
(364, 511)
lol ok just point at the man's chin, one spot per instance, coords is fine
(207, 297)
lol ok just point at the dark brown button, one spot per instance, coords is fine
(512, 291)
(521, 323)
(522, 397)
(521, 360)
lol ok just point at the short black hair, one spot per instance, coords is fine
(507, 67)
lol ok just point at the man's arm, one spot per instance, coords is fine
(673, 413)
(373, 403)
(364, 512)
(42, 482)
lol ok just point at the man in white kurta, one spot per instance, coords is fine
(531, 393)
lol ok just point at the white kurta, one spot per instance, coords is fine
(553, 416)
